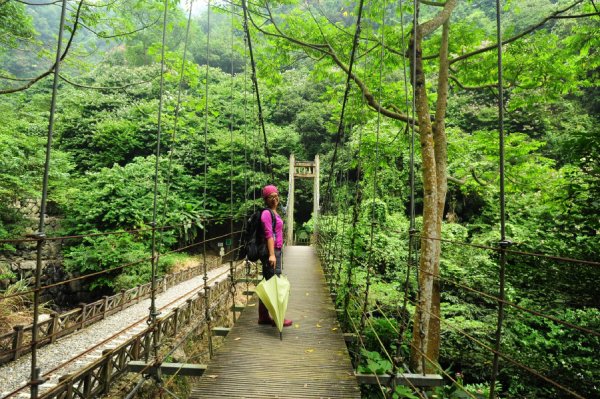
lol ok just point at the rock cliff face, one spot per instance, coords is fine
(21, 264)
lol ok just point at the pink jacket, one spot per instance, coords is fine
(267, 223)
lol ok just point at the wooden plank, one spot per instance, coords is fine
(221, 331)
(408, 379)
(310, 362)
(304, 164)
(181, 369)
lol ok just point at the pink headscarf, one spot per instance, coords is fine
(268, 190)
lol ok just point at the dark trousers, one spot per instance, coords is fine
(268, 272)
(267, 269)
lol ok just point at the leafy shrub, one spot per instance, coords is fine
(373, 363)
(101, 253)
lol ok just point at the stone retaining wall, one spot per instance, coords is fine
(21, 264)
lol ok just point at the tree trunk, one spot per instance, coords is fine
(425, 346)
(422, 340)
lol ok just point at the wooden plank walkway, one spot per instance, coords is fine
(310, 362)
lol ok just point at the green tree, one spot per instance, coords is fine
(437, 46)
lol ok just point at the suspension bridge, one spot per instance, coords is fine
(323, 355)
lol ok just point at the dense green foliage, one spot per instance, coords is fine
(213, 162)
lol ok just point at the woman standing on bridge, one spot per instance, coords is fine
(271, 265)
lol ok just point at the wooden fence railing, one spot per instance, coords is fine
(95, 379)
(18, 342)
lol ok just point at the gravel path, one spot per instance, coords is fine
(17, 373)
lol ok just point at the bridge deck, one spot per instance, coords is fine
(310, 362)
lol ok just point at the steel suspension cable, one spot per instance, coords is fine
(412, 210)
(231, 271)
(355, 214)
(248, 265)
(204, 196)
(516, 306)
(332, 260)
(153, 311)
(344, 223)
(340, 131)
(35, 371)
(176, 120)
(375, 181)
(245, 132)
(255, 81)
(105, 271)
(510, 251)
(505, 357)
(504, 243)
(412, 244)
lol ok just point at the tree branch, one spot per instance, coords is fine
(432, 3)
(102, 36)
(464, 179)
(81, 86)
(520, 35)
(36, 4)
(428, 27)
(476, 178)
(462, 86)
(49, 71)
(328, 50)
(318, 47)
(369, 97)
(455, 180)
(592, 14)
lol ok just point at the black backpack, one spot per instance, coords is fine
(253, 243)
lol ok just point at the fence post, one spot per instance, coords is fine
(190, 307)
(83, 307)
(17, 341)
(53, 330)
(175, 320)
(107, 371)
(122, 299)
(87, 385)
(105, 297)
(69, 386)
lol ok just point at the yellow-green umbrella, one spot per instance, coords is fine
(275, 293)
